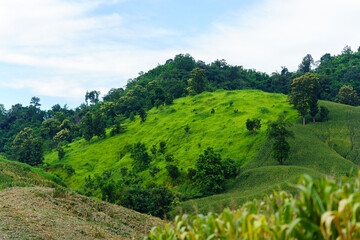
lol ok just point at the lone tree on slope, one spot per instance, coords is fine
(304, 92)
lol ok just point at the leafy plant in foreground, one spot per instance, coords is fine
(323, 209)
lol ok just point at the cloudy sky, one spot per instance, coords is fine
(59, 49)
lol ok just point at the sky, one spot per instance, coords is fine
(59, 49)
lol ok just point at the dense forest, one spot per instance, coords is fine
(26, 132)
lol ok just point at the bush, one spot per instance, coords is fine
(169, 158)
(187, 128)
(154, 171)
(229, 168)
(162, 147)
(209, 172)
(173, 171)
(324, 112)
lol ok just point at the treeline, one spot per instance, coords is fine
(339, 78)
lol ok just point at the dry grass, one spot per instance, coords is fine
(34, 213)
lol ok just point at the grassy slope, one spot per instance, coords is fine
(34, 206)
(319, 149)
(224, 130)
(19, 174)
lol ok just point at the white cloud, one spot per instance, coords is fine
(77, 50)
(275, 33)
(63, 38)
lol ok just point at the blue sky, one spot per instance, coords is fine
(59, 49)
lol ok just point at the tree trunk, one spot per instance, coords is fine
(303, 120)
(314, 120)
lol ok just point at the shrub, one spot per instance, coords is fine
(173, 171)
(187, 128)
(169, 158)
(162, 147)
(324, 112)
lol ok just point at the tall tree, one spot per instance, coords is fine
(280, 147)
(197, 80)
(92, 97)
(27, 148)
(304, 91)
(306, 63)
(87, 127)
(99, 125)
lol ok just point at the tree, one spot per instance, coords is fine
(313, 107)
(87, 127)
(173, 171)
(304, 91)
(162, 147)
(348, 95)
(63, 135)
(142, 115)
(98, 125)
(229, 167)
(197, 80)
(324, 112)
(141, 158)
(27, 148)
(209, 172)
(280, 147)
(92, 97)
(35, 101)
(306, 63)
(253, 125)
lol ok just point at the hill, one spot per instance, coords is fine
(319, 149)
(224, 130)
(37, 205)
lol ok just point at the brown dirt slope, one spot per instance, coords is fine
(47, 213)
(37, 205)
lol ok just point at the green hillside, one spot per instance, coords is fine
(223, 130)
(14, 174)
(324, 148)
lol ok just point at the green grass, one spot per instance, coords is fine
(224, 130)
(19, 174)
(318, 149)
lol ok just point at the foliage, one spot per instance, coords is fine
(253, 125)
(230, 168)
(324, 112)
(98, 125)
(323, 209)
(173, 171)
(304, 91)
(209, 172)
(156, 201)
(280, 147)
(87, 127)
(92, 97)
(197, 80)
(28, 149)
(162, 147)
(347, 95)
(142, 115)
(61, 152)
(141, 158)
